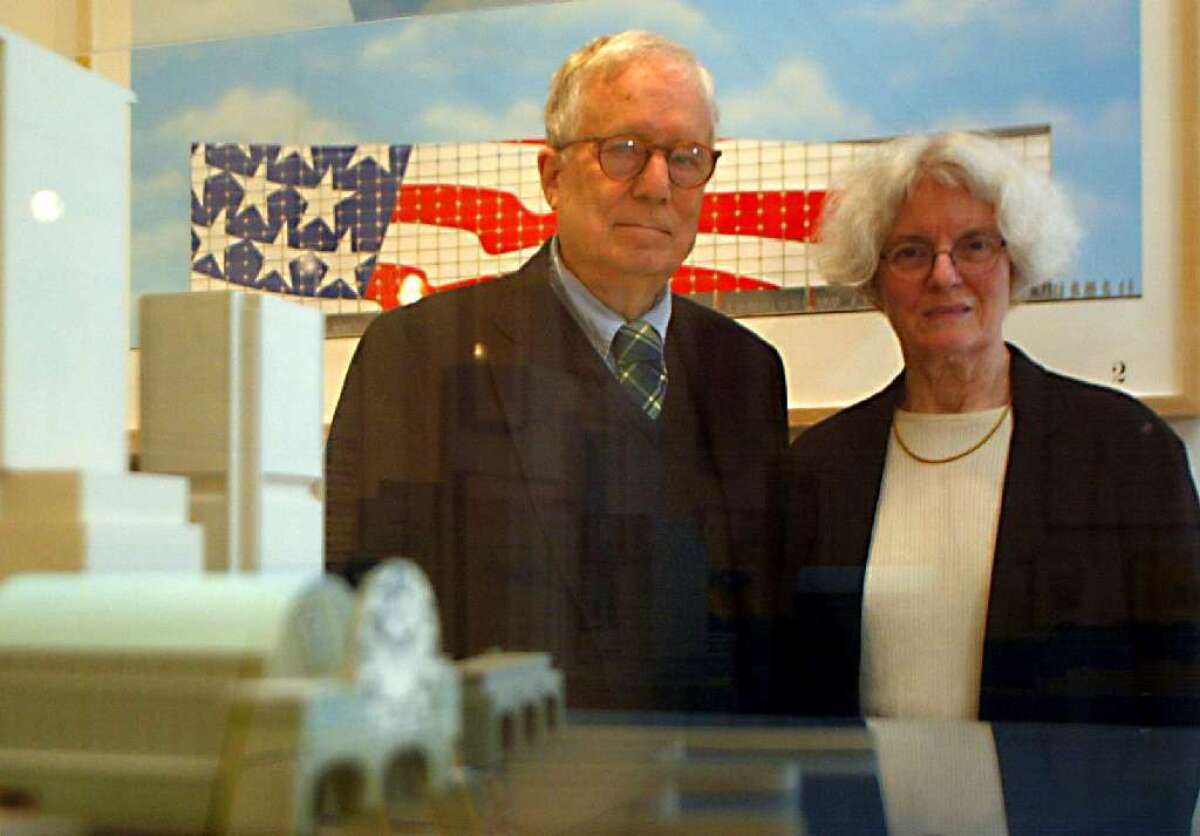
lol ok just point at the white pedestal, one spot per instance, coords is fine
(74, 521)
(231, 398)
(64, 262)
(67, 501)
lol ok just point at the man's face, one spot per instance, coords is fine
(634, 232)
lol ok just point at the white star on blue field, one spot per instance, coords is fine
(284, 219)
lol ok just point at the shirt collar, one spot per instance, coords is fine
(599, 322)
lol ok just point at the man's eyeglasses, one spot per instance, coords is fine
(972, 254)
(689, 164)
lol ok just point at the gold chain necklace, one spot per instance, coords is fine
(956, 456)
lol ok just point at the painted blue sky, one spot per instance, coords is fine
(784, 70)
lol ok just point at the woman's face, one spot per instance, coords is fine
(944, 311)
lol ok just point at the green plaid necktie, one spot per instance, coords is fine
(638, 352)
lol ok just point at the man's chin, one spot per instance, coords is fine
(655, 269)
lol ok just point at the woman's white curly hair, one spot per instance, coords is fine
(1033, 214)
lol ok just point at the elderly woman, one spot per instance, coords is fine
(983, 538)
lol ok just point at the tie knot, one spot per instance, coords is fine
(637, 342)
(637, 351)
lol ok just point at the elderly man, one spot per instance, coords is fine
(582, 462)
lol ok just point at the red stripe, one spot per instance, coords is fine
(501, 221)
(504, 225)
(384, 285)
(686, 280)
(785, 215)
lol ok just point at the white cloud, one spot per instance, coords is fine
(245, 114)
(1064, 124)
(797, 100)
(1077, 15)
(1095, 21)
(904, 77)
(455, 44)
(169, 183)
(963, 120)
(1094, 209)
(936, 14)
(165, 241)
(523, 120)
(423, 51)
(448, 51)
(673, 18)
(1119, 121)
(1115, 122)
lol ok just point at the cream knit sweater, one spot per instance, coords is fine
(929, 568)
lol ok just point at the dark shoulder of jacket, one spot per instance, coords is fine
(433, 315)
(1103, 411)
(826, 435)
(706, 320)
(1107, 441)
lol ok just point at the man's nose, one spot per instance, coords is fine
(654, 181)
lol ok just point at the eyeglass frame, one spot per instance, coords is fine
(598, 143)
(971, 269)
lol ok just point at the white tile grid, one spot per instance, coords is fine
(448, 255)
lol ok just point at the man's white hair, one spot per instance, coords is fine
(609, 54)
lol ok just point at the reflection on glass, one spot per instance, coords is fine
(939, 777)
(46, 206)
(126, 24)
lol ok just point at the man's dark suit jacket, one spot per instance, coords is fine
(479, 433)
(1095, 592)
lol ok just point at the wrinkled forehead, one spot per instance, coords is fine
(940, 206)
(944, 174)
(616, 94)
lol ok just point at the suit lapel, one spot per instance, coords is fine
(534, 372)
(724, 435)
(685, 343)
(545, 375)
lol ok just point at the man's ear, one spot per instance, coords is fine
(550, 165)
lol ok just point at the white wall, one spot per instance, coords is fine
(876, 351)
(77, 29)
(56, 24)
(1189, 431)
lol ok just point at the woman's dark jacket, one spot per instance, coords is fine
(1095, 594)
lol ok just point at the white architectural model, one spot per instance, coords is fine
(511, 700)
(136, 691)
(231, 398)
(67, 500)
(221, 703)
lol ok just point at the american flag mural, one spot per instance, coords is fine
(362, 228)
